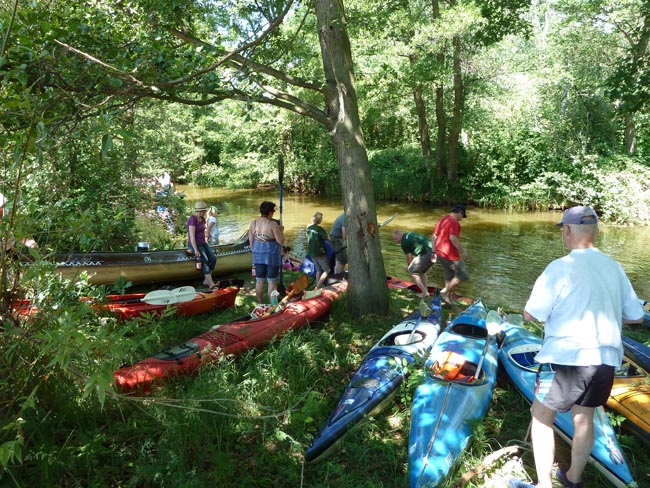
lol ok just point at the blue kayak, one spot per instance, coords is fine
(637, 352)
(379, 376)
(517, 355)
(646, 310)
(459, 383)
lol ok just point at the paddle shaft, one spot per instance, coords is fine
(281, 288)
(488, 339)
(385, 222)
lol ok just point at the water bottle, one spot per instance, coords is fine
(198, 263)
(275, 294)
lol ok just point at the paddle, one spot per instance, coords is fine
(424, 310)
(281, 289)
(493, 320)
(388, 220)
(169, 297)
(385, 222)
(296, 288)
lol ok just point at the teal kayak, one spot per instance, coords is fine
(459, 383)
(517, 356)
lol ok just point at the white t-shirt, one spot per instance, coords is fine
(583, 299)
(214, 232)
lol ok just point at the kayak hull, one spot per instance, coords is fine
(517, 357)
(225, 340)
(454, 397)
(378, 378)
(131, 306)
(105, 268)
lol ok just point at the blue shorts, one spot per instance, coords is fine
(266, 272)
(560, 387)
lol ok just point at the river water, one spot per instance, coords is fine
(507, 249)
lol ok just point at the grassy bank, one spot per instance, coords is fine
(248, 421)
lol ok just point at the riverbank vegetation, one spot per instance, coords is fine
(506, 104)
(240, 422)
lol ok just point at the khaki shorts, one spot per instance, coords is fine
(420, 264)
(451, 269)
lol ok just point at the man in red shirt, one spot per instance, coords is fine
(449, 252)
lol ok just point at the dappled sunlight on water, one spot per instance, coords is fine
(507, 250)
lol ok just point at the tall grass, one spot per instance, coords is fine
(247, 421)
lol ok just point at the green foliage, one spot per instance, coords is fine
(400, 174)
(242, 421)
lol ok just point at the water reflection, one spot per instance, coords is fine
(507, 250)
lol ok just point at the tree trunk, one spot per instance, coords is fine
(441, 122)
(423, 125)
(630, 133)
(454, 131)
(367, 292)
(441, 119)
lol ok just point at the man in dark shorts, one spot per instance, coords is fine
(449, 252)
(583, 299)
(418, 257)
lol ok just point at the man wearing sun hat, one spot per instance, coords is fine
(583, 299)
(197, 243)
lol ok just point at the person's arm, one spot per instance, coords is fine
(191, 230)
(409, 258)
(632, 321)
(277, 233)
(529, 317)
(456, 243)
(211, 224)
(251, 233)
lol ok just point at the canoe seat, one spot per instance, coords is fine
(470, 330)
(454, 367)
(525, 359)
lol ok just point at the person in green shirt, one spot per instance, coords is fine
(315, 248)
(418, 257)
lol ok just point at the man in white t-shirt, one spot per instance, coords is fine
(583, 299)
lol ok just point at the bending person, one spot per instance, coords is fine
(418, 257)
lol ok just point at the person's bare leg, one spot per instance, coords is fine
(583, 441)
(450, 285)
(543, 443)
(322, 279)
(208, 281)
(421, 284)
(259, 290)
(272, 285)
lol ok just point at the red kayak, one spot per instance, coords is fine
(229, 339)
(132, 305)
(186, 301)
(398, 284)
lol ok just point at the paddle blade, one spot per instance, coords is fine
(159, 297)
(184, 293)
(424, 308)
(298, 286)
(493, 321)
(388, 220)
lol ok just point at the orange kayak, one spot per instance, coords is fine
(630, 397)
(230, 339)
(131, 305)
